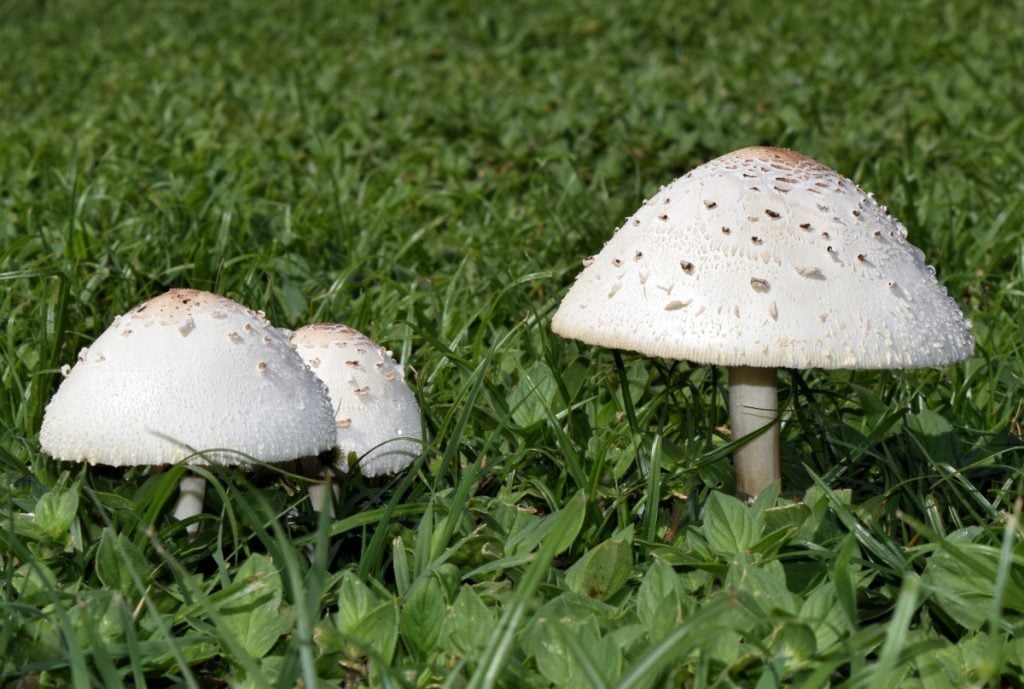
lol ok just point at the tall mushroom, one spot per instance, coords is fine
(764, 259)
(376, 413)
(188, 375)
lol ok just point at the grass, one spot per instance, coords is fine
(431, 175)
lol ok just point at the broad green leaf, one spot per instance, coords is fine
(378, 631)
(423, 614)
(33, 639)
(55, 511)
(791, 515)
(366, 621)
(529, 537)
(603, 570)
(503, 509)
(255, 614)
(977, 651)
(574, 606)
(878, 420)
(964, 593)
(935, 434)
(629, 637)
(34, 583)
(1015, 653)
(659, 599)
(796, 641)
(774, 541)
(729, 525)
(605, 657)
(765, 582)
(595, 661)
(821, 610)
(570, 651)
(620, 453)
(103, 611)
(470, 621)
(530, 400)
(771, 674)
(355, 601)
(525, 532)
(765, 500)
(25, 526)
(194, 648)
(116, 558)
(549, 652)
(270, 670)
(942, 668)
(821, 524)
(725, 645)
(868, 401)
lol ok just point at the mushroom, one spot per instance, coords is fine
(375, 412)
(188, 375)
(764, 259)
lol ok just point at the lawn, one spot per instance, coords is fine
(432, 174)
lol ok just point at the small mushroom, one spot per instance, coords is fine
(187, 386)
(377, 415)
(849, 314)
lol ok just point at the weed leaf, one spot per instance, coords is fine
(729, 525)
(255, 614)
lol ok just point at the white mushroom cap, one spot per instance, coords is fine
(188, 371)
(376, 413)
(764, 257)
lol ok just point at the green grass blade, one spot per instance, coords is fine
(884, 673)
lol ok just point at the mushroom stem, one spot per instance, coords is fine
(318, 490)
(191, 490)
(753, 404)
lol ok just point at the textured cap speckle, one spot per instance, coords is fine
(183, 372)
(376, 413)
(767, 258)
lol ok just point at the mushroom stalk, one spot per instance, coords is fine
(191, 491)
(754, 403)
(320, 492)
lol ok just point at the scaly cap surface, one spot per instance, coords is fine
(187, 371)
(376, 413)
(764, 257)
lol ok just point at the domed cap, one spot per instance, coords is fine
(183, 372)
(376, 413)
(766, 258)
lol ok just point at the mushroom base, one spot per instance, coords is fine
(323, 490)
(191, 491)
(754, 409)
